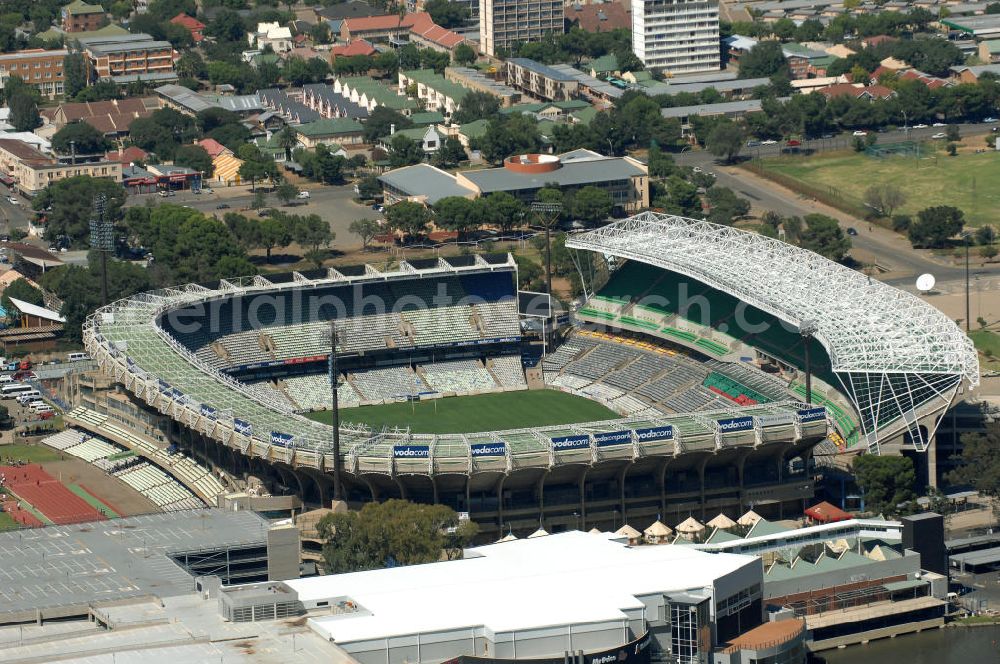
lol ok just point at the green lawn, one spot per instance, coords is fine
(7, 522)
(29, 453)
(481, 412)
(970, 182)
(988, 343)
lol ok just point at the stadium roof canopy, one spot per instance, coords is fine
(897, 357)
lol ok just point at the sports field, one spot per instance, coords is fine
(970, 182)
(481, 412)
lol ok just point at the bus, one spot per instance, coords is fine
(13, 389)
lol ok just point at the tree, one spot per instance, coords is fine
(227, 26)
(286, 192)
(256, 165)
(404, 151)
(271, 233)
(476, 106)
(456, 213)
(191, 65)
(464, 54)
(501, 209)
(726, 206)
(395, 532)
(72, 202)
(993, 8)
(21, 289)
(194, 157)
(366, 229)
(450, 154)
(312, 233)
(23, 109)
(446, 13)
(381, 121)
(725, 140)
(935, 225)
(765, 59)
(592, 204)
(510, 135)
(409, 217)
(369, 188)
(824, 236)
(953, 134)
(74, 74)
(885, 481)
(288, 139)
(884, 199)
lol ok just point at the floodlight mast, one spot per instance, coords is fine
(102, 239)
(548, 213)
(807, 329)
(334, 387)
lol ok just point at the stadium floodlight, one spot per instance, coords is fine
(331, 336)
(548, 213)
(102, 238)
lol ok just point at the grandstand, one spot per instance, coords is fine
(885, 363)
(257, 357)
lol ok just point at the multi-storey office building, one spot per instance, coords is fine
(40, 68)
(505, 22)
(676, 36)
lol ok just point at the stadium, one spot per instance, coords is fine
(685, 393)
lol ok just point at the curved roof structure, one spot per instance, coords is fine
(893, 352)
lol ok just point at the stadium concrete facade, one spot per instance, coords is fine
(219, 360)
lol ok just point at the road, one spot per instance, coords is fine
(872, 244)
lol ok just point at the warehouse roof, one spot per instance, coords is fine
(574, 172)
(555, 580)
(424, 180)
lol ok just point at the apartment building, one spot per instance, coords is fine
(80, 17)
(33, 170)
(540, 80)
(125, 58)
(505, 22)
(42, 69)
(676, 36)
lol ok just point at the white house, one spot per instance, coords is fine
(279, 38)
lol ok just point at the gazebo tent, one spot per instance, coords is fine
(690, 528)
(721, 522)
(630, 533)
(657, 533)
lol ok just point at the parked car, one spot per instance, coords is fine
(939, 124)
(222, 206)
(920, 126)
(860, 132)
(12, 200)
(769, 141)
(851, 230)
(752, 143)
(940, 135)
(988, 120)
(303, 195)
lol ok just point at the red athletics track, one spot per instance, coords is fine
(47, 495)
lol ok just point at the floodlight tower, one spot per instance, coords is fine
(334, 385)
(548, 213)
(102, 239)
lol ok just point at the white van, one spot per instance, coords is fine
(77, 357)
(6, 378)
(41, 407)
(29, 396)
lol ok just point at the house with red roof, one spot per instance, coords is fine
(193, 25)
(603, 17)
(129, 155)
(381, 29)
(856, 90)
(213, 147)
(432, 35)
(350, 49)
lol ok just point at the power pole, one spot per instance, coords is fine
(334, 384)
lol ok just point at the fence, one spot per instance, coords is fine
(828, 196)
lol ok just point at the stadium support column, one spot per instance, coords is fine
(807, 329)
(338, 493)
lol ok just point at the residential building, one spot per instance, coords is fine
(38, 67)
(128, 58)
(676, 37)
(428, 34)
(477, 81)
(193, 25)
(78, 16)
(806, 62)
(369, 93)
(350, 49)
(624, 178)
(540, 80)
(428, 138)
(989, 51)
(502, 23)
(33, 170)
(858, 91)
(328, 131)
(321, 98)
(275, 35)
(971, 74)
(382, 29)
(188, 101)
(112, 118)
(437, 92)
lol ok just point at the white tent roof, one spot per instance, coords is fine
(541, 532)
(690, 525)
(722, 521)
(509, 537)
(628, 531)
(749, 519)
(33, 310)
(658, 529)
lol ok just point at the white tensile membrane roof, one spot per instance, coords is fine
(882, 341)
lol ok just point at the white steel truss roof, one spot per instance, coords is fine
(867, 327)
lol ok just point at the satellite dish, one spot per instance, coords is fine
(925, 282)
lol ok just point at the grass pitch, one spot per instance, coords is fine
(481, 412)
(29, 453)
(970, 182)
